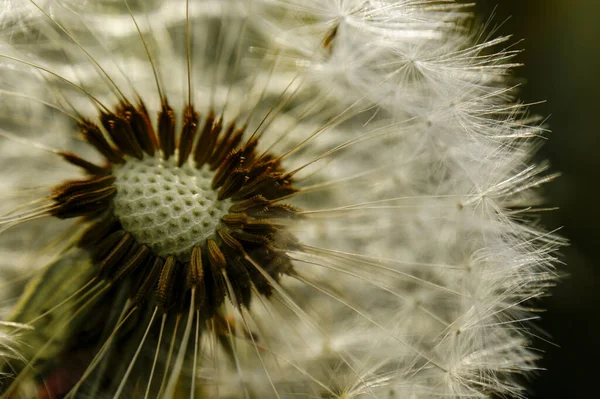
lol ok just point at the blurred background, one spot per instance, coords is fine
(562, 58)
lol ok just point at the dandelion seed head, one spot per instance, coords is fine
(280, 198)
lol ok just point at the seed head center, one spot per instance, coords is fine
(170, 209)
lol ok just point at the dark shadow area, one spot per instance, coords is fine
(562, 57)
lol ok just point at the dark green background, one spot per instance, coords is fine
(562, 63)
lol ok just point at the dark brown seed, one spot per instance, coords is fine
(221, 144)
(260, 227)
(215, 286)
(245, 237)
(83, 204)
(233, 161)
(255, 204)
(215, 256)
(98, 231)
(327, 42)
(140, 125)
(260, 282)
(84, 196)
(133, 261)
(89, 167)
(204, 149)
(249, 150)
(239, 279)
(106, 245)
(263, 167)
(214, 136)
(234, 182)
(72, 188)
(116, 254)
(188, 133)
(280, 211)
(195, 272)
(226, 147)
(235, 221)
(122, 134)
(93, 135)
(143, 112)
(237, 268)
(149, 281)
(271, 185)
(165, 283)
(253, 186)
(231, 242)
(166, 129)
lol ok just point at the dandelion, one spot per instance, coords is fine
(275, 198)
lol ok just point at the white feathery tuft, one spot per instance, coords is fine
(419, 259)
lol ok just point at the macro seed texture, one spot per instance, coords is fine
(169, 208)
(265, 199)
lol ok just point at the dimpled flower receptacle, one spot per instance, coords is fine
(168, 208)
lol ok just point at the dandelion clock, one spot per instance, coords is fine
(264, 199)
